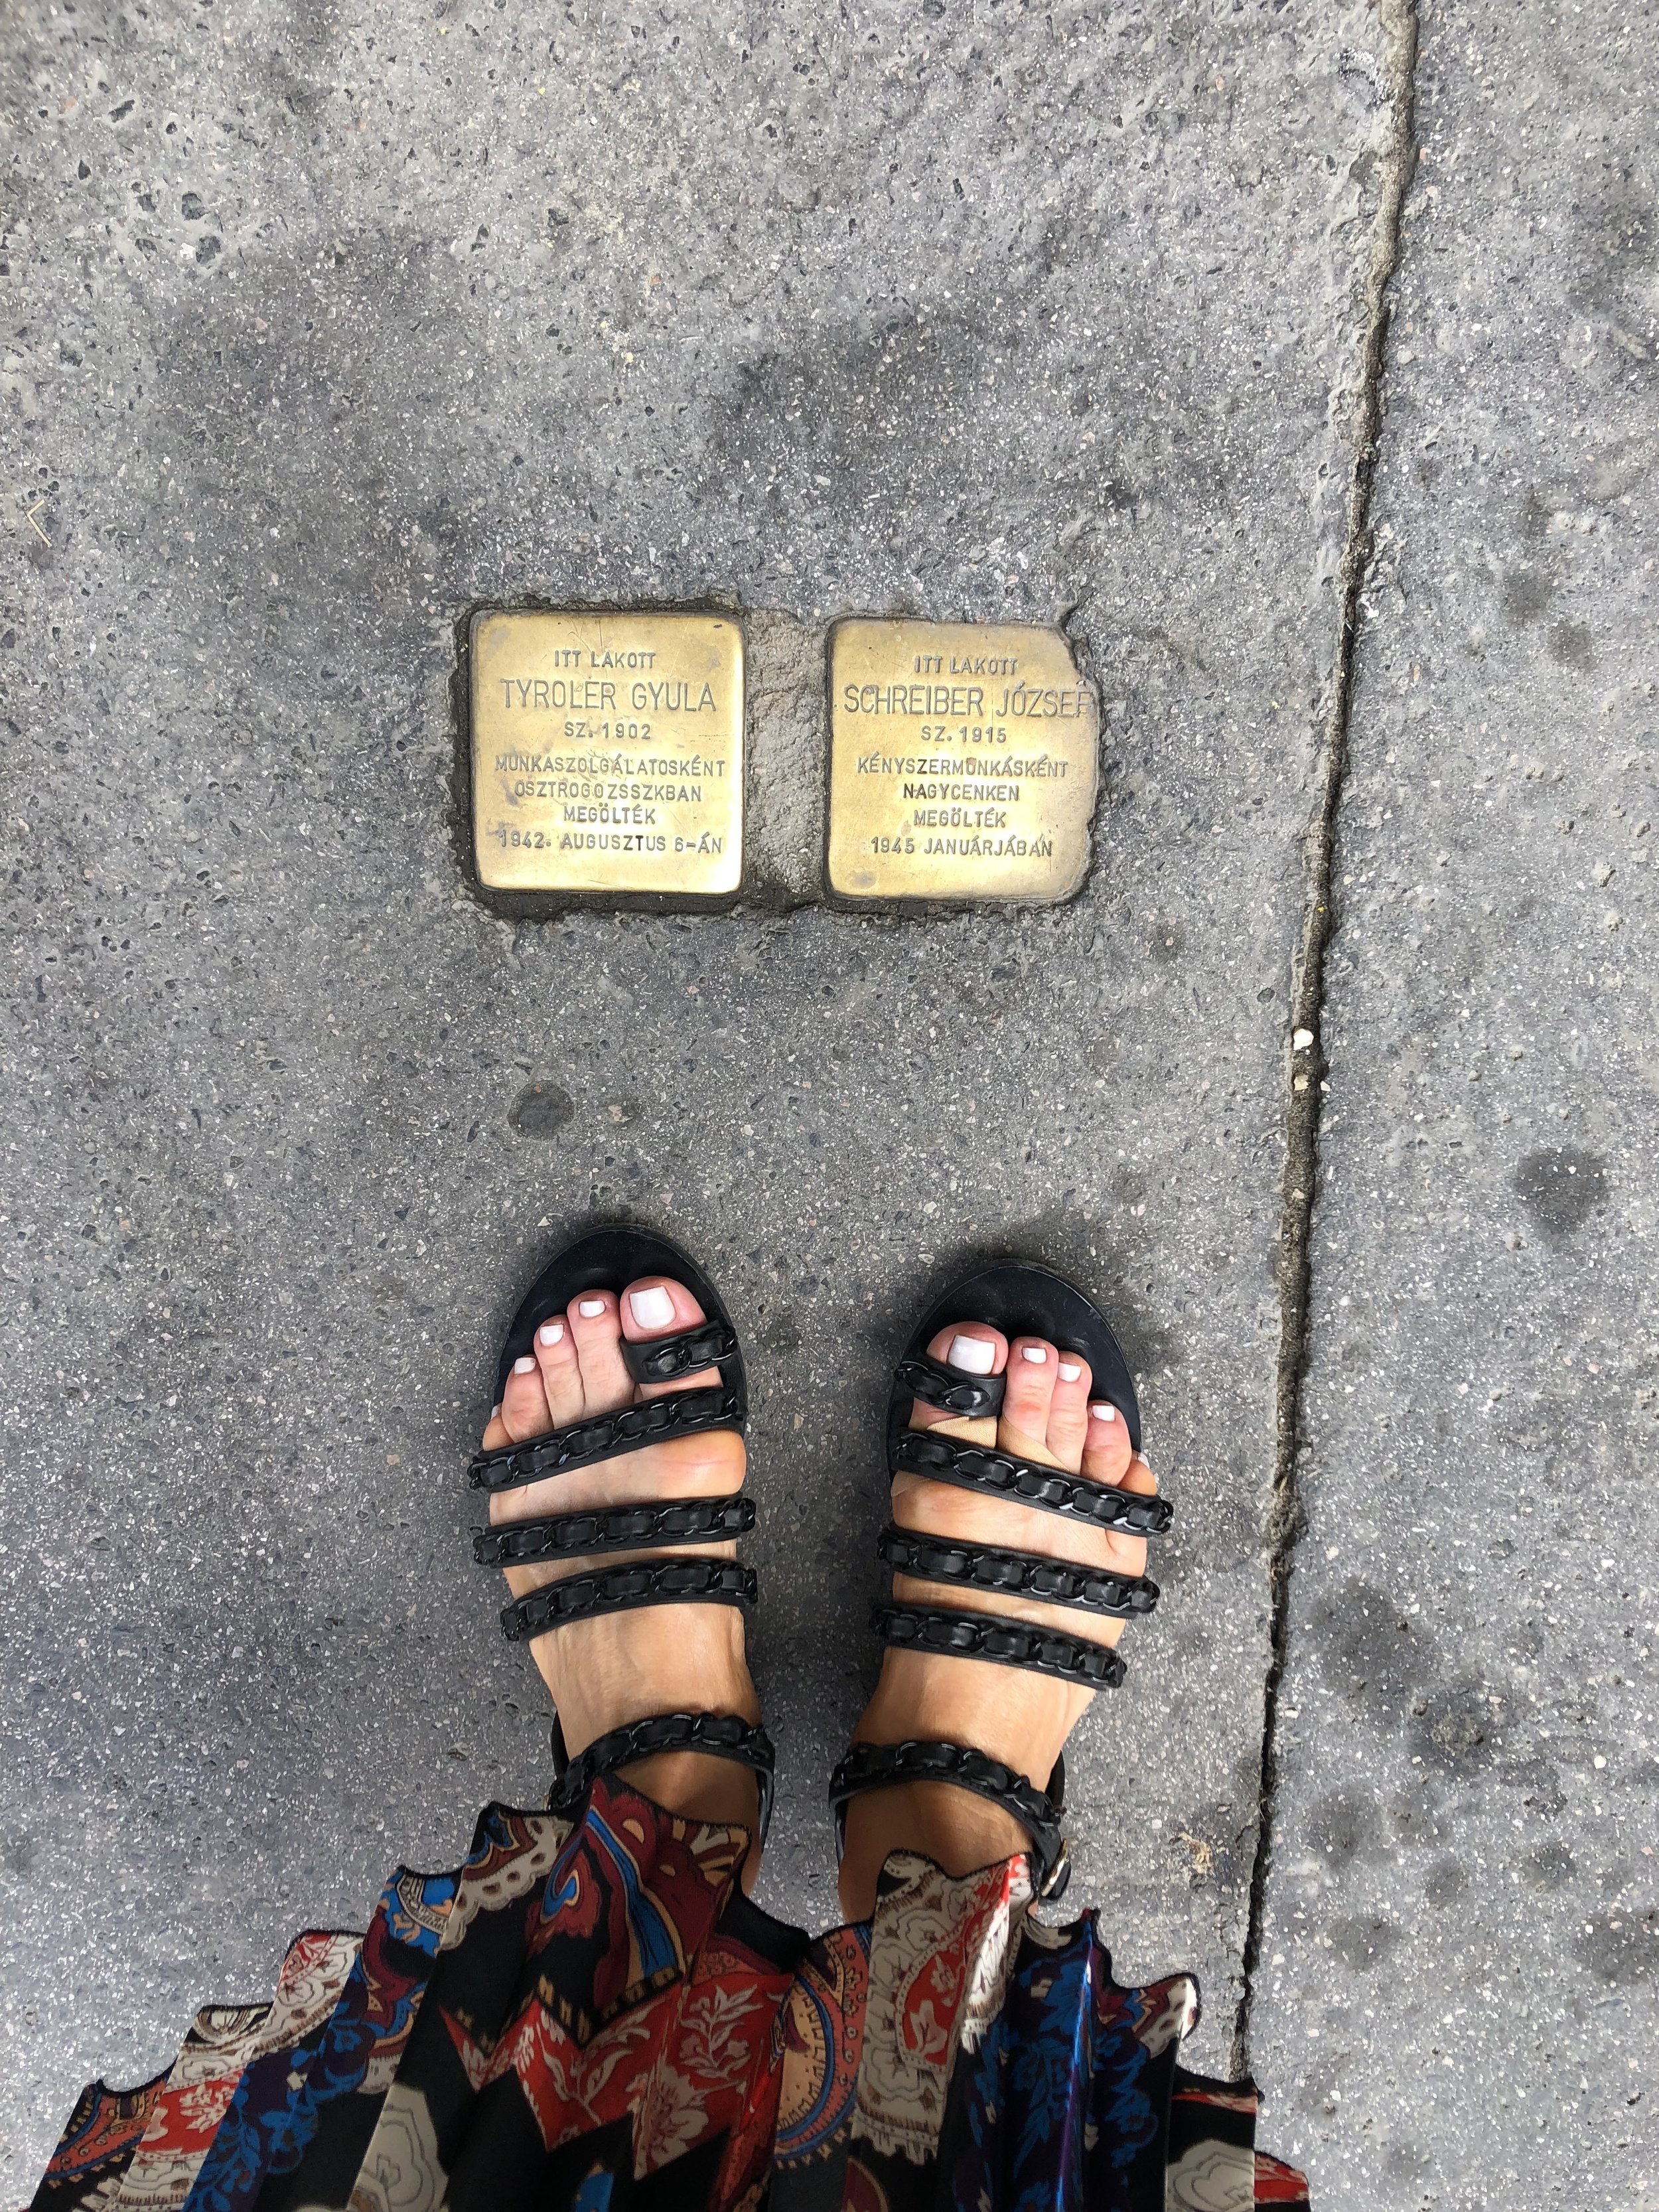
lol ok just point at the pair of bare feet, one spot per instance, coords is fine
(605, 1671)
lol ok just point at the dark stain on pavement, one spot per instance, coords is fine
(542, 1110)
(1369, 1649)
(1560, 1188)
(1526, 593)
(1455, 1728)
(1549, 1867)
(1623, 1950)
(1344, 1824)
(1363, 1943)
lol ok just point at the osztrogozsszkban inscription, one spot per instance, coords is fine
(607, 752)
(963, 763)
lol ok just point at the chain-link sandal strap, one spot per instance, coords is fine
(665, 1359)
(1006, 1643)
(1026, 1482)
(606, 1436)
(614, 1529)
(619, 1589)
(720, 1735)
(1017, 1574)
(975, 1397)
(1039, 1812)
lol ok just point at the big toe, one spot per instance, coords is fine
(656, 1306)
(972, 1349)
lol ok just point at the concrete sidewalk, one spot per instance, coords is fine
(331, 324)
(1460, 1946)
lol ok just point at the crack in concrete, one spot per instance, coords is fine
(1285, 1523)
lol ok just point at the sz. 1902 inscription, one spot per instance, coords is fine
(961, 762)
(607, 753)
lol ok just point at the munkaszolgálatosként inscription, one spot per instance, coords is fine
(607, 752)
(963, 763)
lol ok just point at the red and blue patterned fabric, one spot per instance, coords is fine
(593, 2018)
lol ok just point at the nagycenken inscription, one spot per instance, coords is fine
(963, 763)
(607, 752)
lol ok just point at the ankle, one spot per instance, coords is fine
(1024, 1720)
(699, 1786)
(605, 1673)
(953, 1828)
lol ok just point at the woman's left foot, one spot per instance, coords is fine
(1050, 1417)
(618, 1668)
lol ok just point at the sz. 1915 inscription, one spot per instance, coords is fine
(961, 762)
(607, 752)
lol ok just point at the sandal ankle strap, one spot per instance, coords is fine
(720, 1735)
(1039, 1812)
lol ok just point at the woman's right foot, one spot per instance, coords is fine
(621, 1667)
(1014, 1715)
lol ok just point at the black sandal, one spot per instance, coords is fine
(1019, 1299)
(609, 1260)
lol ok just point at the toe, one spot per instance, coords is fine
(1032, 1366)
(1108, 1457)
(1068, 1411)
(972, 1347)
(1107, 1451)
(595, 1331)
(658, 1306)
(561, 1375)
(524, 1403)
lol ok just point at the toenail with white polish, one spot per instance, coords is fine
(1104, 1413)
(1036, 1353)
(1069, 1374)
(652, 1308)
(550, 1332)
(495, 1411)
(972, 1354)
(589, 1307)
(524, 1366)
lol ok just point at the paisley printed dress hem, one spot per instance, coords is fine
(591, 2016)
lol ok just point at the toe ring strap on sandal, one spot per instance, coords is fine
(606, 1436)
(1015, 1574)
(665, 1359)
(977, 1467)
(720, 1735)
(967, 1396)
(1006, 1643)
(884, 1766)
(617, 1590)
(615, 1529)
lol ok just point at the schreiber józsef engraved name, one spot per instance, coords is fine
(1020, 702)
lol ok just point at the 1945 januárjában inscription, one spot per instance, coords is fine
(963, 763)
(607, 753)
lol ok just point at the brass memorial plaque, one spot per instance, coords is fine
(963, 759)
(607, 752)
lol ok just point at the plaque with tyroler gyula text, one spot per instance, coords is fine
(963, 763)
(607, 753)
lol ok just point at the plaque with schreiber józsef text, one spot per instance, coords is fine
(963, 763)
